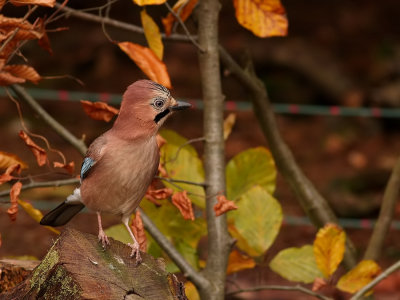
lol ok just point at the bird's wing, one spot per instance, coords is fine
(93, 155)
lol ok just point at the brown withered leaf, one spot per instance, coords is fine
(6, 176)
(2, 2)
(7, 79)
(39, 152)
(44, 41)
(148, 62)
(9, 159)
(238, 261)
(153, 194)
(318, 284)
(160, 141)
(138, 231)
(223, 205)
(183, 203)
(23, 71)
(48, 3)
(184, 8)
(15, 190)
(69, 167)
(99, 110)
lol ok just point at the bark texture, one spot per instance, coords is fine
(77, 267)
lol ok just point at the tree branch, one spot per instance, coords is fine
(297, 288)
(386, 214)
(53, 183)
(202, 184)
(379, 278)
(219, 241)
(53, 123)
(315, 206)
(187, 270)
(116, 23)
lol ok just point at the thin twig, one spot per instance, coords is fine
(188, 34)
(379, 278)
(386, 214)
(188, 142)
(172, 180)
(296, 288)
(41, 184)
(189, 272)
(117, 24)
(53, 123)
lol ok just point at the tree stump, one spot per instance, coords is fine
(77, 267)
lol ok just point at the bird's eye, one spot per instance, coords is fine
(158, 103)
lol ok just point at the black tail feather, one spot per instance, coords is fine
(61, 214)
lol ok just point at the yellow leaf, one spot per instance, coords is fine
(359, 276)
(329, 246)
(148, 62)
(9, 159)
(228, 124)
(148, 2)
(34, 213)
(191, 291)
(237, 262)
(262, 17)
(152, 34)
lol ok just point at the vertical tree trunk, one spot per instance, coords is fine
(218, 237)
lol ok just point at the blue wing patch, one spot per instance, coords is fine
(87, 164)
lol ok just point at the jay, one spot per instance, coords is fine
(120, 164)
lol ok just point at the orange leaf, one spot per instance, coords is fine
(40, 153)
(7, 79)
(148, 2)
(48, 3)
(238, 261)
(23, 71)
(44, 41)
(184, 8)
(153, 194)
(183, 203)
(6, 176)
(148, 62)
(69, 167)
(99, 110)
(318, 284)
(160, 141)
(138, 231)
(263, 17)
(223, 205)
(9, 159)
(14, 194)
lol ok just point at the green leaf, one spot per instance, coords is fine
(251, 167)
(182, 163)
(256, 221)
(296, 264)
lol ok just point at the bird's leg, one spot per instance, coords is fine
(102, 235)
(135, 246)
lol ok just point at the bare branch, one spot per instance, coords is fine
(116, 23)
(53, 123)
(386, 214)
(379, 278)
(187, 270)
(315, 206)
(172, 180)
(297, 288)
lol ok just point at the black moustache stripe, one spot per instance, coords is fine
(161, 115)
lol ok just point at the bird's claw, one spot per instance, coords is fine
(103, 239)
(136, 252)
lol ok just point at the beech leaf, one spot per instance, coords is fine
(9, 159)
(359, 276)
(228, 125)
(48, 3)
(152, 34)
(40, 153)
(6, 176)
(238, 261)
(99, 110)
(329, 247)
(149, 2)
(148, 62)
(183, 203)
(15, 190)
(183, 8)
(264, 18)
(23, 71)
(69, 167)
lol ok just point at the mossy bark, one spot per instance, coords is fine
(77, 267)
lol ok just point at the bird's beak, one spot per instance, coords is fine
(179, 105)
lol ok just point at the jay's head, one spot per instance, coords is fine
(146, 105)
